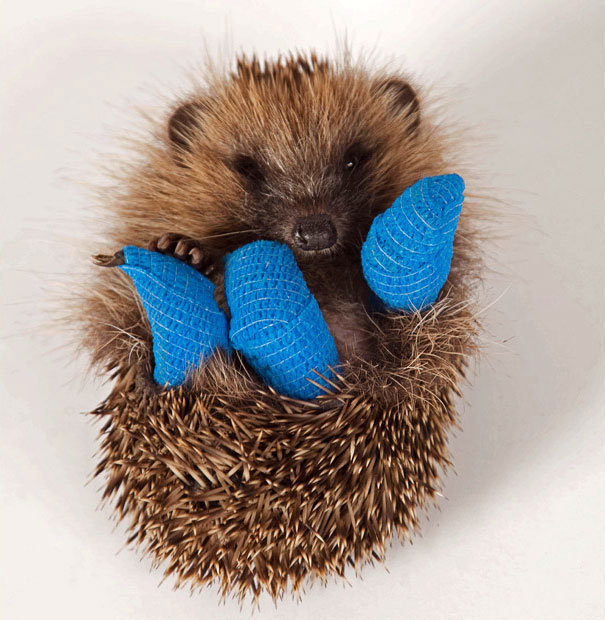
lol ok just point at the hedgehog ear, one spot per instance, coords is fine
(401, 100)
(183, 124)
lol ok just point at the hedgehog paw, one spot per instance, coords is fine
(190, 251)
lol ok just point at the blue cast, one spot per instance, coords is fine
(407, 254)
(186, 323)
(275, 321)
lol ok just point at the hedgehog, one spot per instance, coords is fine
(223, 478)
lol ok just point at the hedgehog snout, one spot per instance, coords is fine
(316, 232)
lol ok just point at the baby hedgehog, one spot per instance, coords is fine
(223, 480)
(301, 151)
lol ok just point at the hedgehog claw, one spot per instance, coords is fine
(106, 260)
(187, 250)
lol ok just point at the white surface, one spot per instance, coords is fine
(520, 534)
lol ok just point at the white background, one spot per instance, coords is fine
(520, 532)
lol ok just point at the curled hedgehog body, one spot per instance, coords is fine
(222, 478)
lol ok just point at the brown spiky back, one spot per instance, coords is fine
(226, 481)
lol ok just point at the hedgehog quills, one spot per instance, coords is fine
(235, 484)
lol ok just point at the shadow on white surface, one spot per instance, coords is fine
(536, 382)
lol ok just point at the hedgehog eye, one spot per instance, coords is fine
(351, 164)
(248, 168)
(354, 157)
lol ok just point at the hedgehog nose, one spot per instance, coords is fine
(314, 232)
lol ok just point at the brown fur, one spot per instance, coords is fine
(225, 479)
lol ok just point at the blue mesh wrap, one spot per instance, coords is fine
(407, 254)
(186, 322)
(275, 321)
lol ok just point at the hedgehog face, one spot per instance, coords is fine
(296, 151)
(319, 203)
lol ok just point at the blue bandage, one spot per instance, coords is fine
(186, 323)
(407, 254)
(275, 321)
